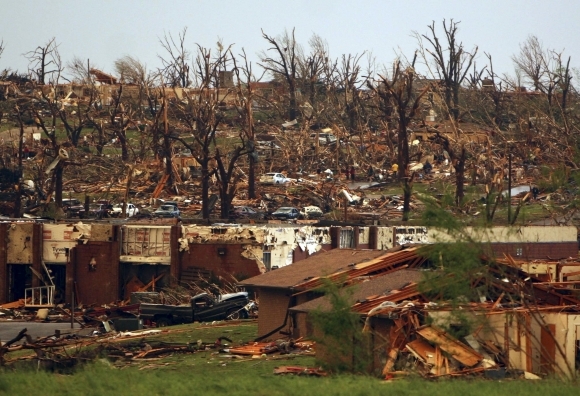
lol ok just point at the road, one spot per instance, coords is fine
(9, 330)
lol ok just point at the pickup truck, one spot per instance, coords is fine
(202, 308)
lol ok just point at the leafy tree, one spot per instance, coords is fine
(340, 332)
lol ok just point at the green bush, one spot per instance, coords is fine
(342, 345)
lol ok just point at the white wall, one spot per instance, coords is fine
(519, 234)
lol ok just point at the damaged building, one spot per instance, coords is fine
(527, 322)
(102, 262)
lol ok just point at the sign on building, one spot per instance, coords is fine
(59, 239)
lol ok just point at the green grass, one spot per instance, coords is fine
(208, 373)
(253, 378)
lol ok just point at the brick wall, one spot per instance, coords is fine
(300, 254)
(175, 266)
(3, 263)
(98, 286)
(541, 251)
(301, 325)
(325, 248)
(273, 308)
(206, 256)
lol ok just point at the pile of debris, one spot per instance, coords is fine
(64, 351)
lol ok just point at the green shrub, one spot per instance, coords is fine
(342, 345)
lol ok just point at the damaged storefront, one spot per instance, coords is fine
(146, 256)
(58, 241)
(243, 252)
(18, 259)
(286, 245)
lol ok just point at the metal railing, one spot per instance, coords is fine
(37, 296)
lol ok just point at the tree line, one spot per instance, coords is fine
(372, 108)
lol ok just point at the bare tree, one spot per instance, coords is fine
(132, 71)
(121, 117)
(49, 128)
(201, 116)
(45, 61)
(452, 62)
(283, 64)
(351, 80)
(398, 89)
(78, 72)
(175, 62)
(534, 61)
(245, 99)
(311, 66)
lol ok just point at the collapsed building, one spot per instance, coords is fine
(103, 262)
(528, 321)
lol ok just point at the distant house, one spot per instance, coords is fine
(103, 77)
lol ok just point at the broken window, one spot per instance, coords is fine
(267, 260)
(346, 238)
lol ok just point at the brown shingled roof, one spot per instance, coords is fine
(378, 286)
(320, 264)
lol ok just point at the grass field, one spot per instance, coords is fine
(208, 373)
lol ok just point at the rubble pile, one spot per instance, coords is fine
(417, 341)
(63, 351)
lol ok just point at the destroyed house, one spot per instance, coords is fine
(293, 285)
(45, 264)
(380, 285)
(103, 263)
(521, 324)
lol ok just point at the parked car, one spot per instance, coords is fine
(202, 308)
(273, 178)
(73, 207)
(324, 138)
(245, 212)
(166, 211)
(262, 145)
(311, 212)
(286, 213)
(131, 210)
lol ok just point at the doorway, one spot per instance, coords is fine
(19, 278)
